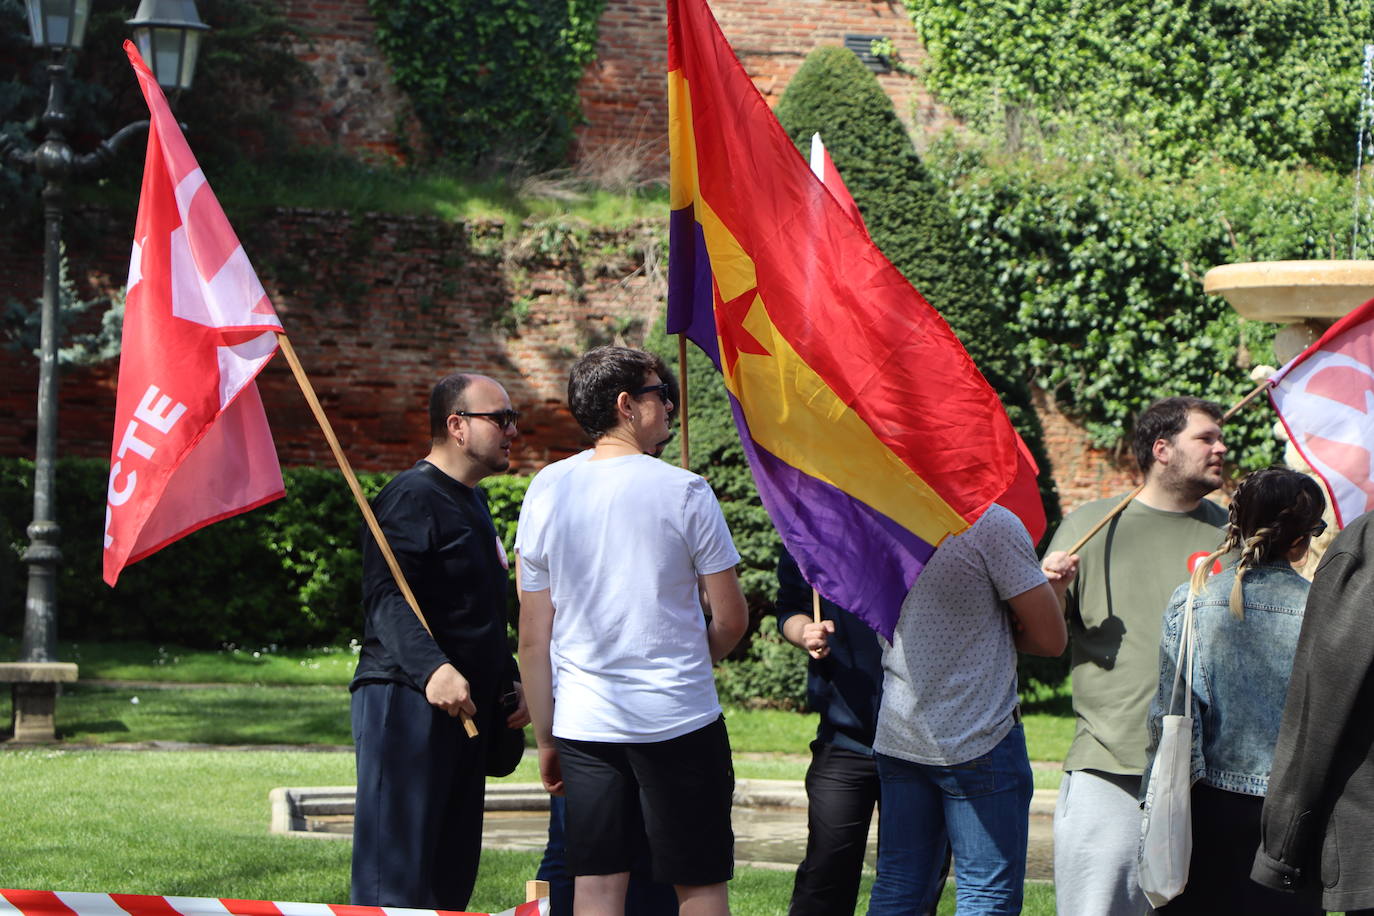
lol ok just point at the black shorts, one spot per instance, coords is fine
(675, 795)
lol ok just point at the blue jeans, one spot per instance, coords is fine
(982, 805)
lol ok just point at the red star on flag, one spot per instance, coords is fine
(734, 338)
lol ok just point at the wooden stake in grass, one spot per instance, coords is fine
(309, 391)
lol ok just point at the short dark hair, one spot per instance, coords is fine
(597, 379)
(448, 397)
(1165, 419)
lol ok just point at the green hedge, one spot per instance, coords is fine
(287, 573)
(771, 673)
(1106, 264)
(1184, 83)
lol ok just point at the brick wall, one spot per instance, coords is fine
(355, 102)
(1081, 472)
(624, 94)
(379, 307)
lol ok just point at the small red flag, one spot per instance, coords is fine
(1324, 397)
(191, 442)
(823, 167)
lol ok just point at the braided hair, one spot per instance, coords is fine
(1271, 510)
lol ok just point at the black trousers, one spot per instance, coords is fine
(417, 828)
(841, 791)
(1226, 832)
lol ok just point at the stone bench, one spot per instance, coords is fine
(34, 687)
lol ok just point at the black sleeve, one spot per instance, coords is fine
(794, 595)
(1334, 652)
(407, 523)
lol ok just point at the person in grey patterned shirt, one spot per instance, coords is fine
(950, 748)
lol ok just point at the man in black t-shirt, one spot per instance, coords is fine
(418, 818)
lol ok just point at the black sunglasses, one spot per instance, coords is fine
(501, 418)
(1317, 529)
(661, 389)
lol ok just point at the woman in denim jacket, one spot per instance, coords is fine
(1247, 617)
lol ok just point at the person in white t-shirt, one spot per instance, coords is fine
(615, 653)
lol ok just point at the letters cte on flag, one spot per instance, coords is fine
(191, 443)
(1324, 397)
(870, 433)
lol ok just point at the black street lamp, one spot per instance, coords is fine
(168, 33)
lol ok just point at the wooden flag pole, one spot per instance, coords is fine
(1258, 389)
(309, 391)
(682, 395)
(815, 605)
(1121, 507)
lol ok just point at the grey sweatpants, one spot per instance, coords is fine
(1096, 842)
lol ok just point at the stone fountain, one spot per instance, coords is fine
(1306, 297)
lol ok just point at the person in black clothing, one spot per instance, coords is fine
(844, 683)
(418, 821)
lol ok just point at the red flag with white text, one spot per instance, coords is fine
(1023, 496)
(1324, 397)
(191, 442)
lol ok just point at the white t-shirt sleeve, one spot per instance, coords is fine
(529, 542)
(707, 535)
(1008, 554)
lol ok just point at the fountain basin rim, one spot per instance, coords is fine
(1290, 291)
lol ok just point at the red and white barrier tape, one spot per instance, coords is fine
(73, 903)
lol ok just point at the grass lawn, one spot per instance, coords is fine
(195, 824)
(299, 697)
(145, 661)
(322, 181)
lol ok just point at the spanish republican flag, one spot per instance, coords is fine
(871, 434)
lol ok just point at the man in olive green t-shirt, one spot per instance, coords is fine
(1126, 575)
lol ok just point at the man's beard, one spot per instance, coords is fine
(1192, 486)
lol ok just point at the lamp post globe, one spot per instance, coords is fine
(168, 33)
(171, 32)
(58, 24)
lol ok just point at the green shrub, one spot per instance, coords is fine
(492, 81)
(1246, 83)
(1106, 264)
(771, 674)
(908, 215)
(287, 573)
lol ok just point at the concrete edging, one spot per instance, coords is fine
(293, 808)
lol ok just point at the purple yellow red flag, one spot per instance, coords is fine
(191, 442)
(871, 434)
(1324, 397)
(1023, 496)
